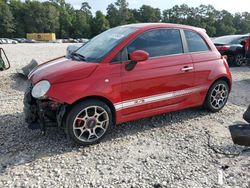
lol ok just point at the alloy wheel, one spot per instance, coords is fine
(91, 123)
(239, 60)
(219, 96)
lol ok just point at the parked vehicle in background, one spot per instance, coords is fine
(7, 41)
(82, 40)
(247, 49)
(20, 40)
(31, 41)
(126, 73)
(78, 40)
(233, 47)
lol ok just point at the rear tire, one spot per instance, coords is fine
(217, 96)
(88, 122)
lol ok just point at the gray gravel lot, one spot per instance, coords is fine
(169, 150)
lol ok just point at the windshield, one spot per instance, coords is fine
(102, 44)
(226, 39)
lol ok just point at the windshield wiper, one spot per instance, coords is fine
(79, 56)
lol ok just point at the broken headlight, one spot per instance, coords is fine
(40, 89)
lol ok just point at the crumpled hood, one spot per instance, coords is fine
(62, 70)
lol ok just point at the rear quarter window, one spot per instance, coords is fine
(195, 42)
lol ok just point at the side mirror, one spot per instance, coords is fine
(135, 57)
(139, 55)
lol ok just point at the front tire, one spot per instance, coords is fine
(217, 96)
(88, 122)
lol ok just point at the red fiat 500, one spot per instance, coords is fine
(126, 73)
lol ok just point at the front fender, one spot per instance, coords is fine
(104, 82)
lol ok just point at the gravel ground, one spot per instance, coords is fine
(171, 150)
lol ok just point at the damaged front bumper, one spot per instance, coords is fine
(42, 113)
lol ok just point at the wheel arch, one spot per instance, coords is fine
(224, 78)
(94, 97)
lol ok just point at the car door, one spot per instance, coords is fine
(162, 80)
(204, 60)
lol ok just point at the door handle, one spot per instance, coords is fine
(185, 69)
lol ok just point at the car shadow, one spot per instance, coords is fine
(17, 141)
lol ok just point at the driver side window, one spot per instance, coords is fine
(159, 42)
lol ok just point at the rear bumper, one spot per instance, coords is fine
(40, 114)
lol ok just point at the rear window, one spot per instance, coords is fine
(195, 42)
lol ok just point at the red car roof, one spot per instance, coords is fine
(146, 26)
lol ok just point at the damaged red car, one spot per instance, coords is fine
(126, 73)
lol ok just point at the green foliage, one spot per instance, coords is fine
(40, 17)
(20, 17)
(149, 14)
(7, 26)
(118, 13)
(17, 8)
(99, 24)
(80, 26)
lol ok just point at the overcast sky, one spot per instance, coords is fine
(229, 5)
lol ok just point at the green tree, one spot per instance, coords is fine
(80, 26)
(118, 14)
(81, 23)
(99, 24)
(17, 17)
(149, 14)
(86, 8)
(134, 16)
(112, 15)
(17, 8)
(203, 16)
(41, 17)
(66, 14)
(6, 21)
(51, 24)
(224, 24)
(241, 22)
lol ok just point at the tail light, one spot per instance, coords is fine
(224, 57)
(223, 48)
(247, 44)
